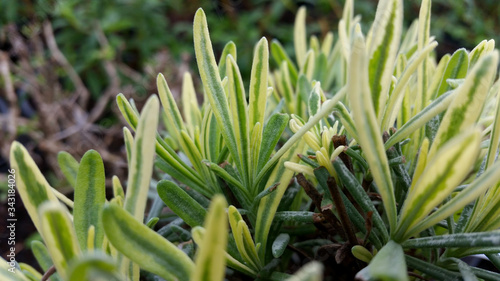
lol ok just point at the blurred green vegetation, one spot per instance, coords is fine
(137, 29)
(135, 35)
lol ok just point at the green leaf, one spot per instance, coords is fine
(361, 197)
(326, 109)
(180, 170)
(238, 107)
(285, 87)
(117, 188)
(455, 69)
(495, 135)
(272, 133)
(144, 246)
(210, 259)
(68, 166)
(424, 23)
(314, 101)
(480, 50)
(181, 203)
(465, 270)
(94, 266)
(244, 242)
(30, 272)
(299, 36)
(420, 119)
(312, 271)
(442, 174)
(229, 49)
(43, 258)
(279, 244)
(141, 164)
(469, 100)
(361, 253)
(213, 85)
(388, 265)
(226, 176)
(90, 195)
(169, 106)
(190, 107)
(279, 55)
(129, 143)
(382, 46)
(395, 101)
(7, 273)
(269, 204)
(369, 135)
(457, 240)
(59, 235)
(198, 234)
(294, 217)
(32, 186)
(258, 83)
(431, 269)
(346, 119)
(470, 193)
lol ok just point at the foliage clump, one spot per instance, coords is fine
(362, 158)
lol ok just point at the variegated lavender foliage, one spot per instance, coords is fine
(366, 114)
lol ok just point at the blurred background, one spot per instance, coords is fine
(63, 62)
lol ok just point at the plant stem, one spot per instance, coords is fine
(344, 218)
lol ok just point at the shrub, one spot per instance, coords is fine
(386, 169)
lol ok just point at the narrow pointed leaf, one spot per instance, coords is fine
(279, 55)
(94, 266)
(145, 247)
(431, 269)
(418, 121)
(141, 166)
(212, 83)
(90, 195)
(474, 190)
(191, 109)
(32, 186)
(383, 44)
(480, 50)
(299, 36)
(269, 204)
(258, 83)
(69, 166)
(199, 234)
(272, 133)
(229, 49)
(466, 107)
(238, 107)
(455, 69)
(181, 203)
(170, 107)
(7, 274)
(458, 240)
(59, 235)
(439, 179)
(210, 259)
(43, 258)
(369, 135)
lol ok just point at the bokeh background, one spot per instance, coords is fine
(63, 62)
